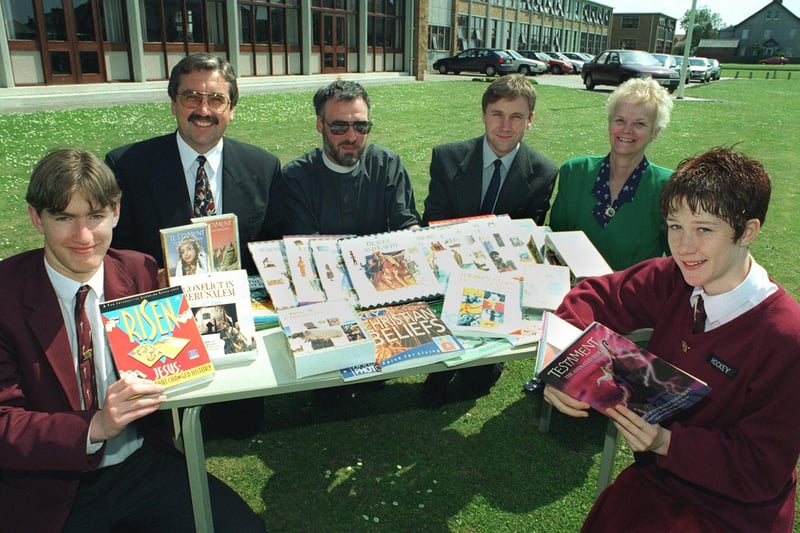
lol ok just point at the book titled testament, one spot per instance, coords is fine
(604, 369)
(154, 336)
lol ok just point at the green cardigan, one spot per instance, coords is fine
(635, 233)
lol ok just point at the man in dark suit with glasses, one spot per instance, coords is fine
(192, 172)
(348, 186)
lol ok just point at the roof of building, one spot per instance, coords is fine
(718, 43)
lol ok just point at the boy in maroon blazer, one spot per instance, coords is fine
(78, 451)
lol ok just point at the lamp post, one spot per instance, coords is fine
(686, 48)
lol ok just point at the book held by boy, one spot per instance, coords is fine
(406, 336)
(154, 336)
(605, 369)
(325, 336)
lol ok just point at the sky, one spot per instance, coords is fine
(731, 11)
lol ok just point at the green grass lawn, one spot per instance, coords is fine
(377, 461)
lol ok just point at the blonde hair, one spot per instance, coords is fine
(648, 92)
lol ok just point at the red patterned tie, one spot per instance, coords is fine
(700, 316)
(85, 351)
(203, 199)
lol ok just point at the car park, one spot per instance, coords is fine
(577, 64)
(614, 67)
(774, 60)
(699, 69)
(556, 66)
(489, 61)
(526, 66)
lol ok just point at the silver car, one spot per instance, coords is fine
(526, 66)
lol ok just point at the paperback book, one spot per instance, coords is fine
(477, 348)
(545, 285)
(153, 335)
(406, 336)
(332, 272)
(305, 278)
(264, 315)
(604, 369)
(220, 304)
(482, 304)
(270, 261)
(503, 242)
(186, 249)
(325, 336)
(224, 237)
(388, 268)
(573, 249)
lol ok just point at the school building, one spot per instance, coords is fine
(60, 42)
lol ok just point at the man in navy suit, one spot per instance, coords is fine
(71, 460)
(157, 176)
(494, 173)
(158, 180)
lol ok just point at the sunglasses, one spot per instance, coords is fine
(194, 99)
(340, 127)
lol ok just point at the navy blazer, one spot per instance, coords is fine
(43, 430)
(154, 193)
(456, 178)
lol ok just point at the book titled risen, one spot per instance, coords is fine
(154, 336)
(604, 369)
(406, 336)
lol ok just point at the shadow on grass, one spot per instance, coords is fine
(378, 462)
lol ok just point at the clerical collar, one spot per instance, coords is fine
(339, 169)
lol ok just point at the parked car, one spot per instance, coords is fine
(486, 60)
(699, 69)
(577, 64)
(614, 67)
(526, 66)
(673, 62)
(556, 66)
(774, 60)
(715, 69)
(579, 55)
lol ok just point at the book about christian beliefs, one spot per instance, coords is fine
(154, 336)
(326, 336)
(220, 304)
(406, 336)
(270, 260)
(305, 278)
(186, 250)
(224, 236)
(482, 304)
(604, 369)
(388, 268)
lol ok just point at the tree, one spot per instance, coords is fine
(706, 25)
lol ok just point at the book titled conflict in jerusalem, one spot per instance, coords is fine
(406, 336)
(154, 336)
(604, 369)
